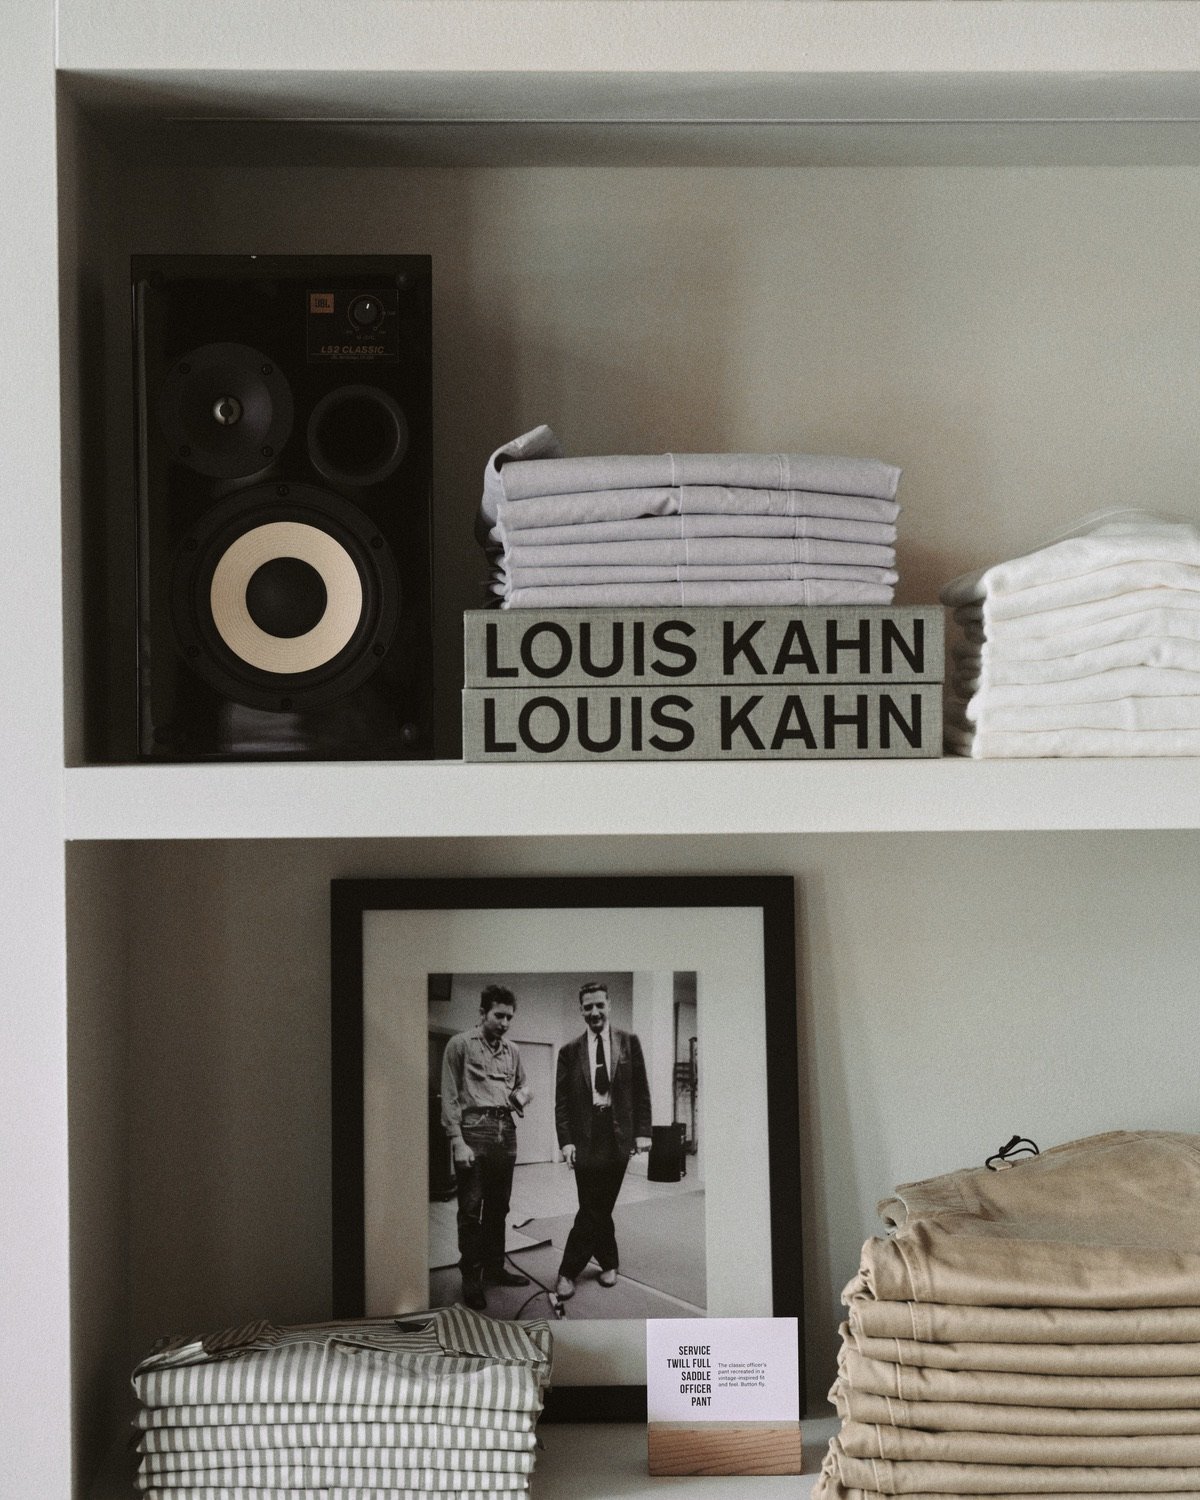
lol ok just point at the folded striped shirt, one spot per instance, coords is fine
(334, 1492)
(357, 1482)
(451, 1357)
(259, 1437)
(266, 1414)
(287, 1460)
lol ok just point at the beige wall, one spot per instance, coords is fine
(1021, 340)
(953, 990)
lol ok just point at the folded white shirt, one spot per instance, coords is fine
(1099, 687)
(1106, 540)
(1149, 624)
(1024, 744)
(1054, 625)
(980, 665)
(1118, 713)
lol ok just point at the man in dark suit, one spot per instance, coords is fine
(602, 1112)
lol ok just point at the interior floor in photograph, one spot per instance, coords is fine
(660, 1230)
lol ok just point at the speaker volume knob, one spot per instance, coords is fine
(227, 410)
(366, 312)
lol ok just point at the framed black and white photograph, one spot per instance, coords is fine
(552, 1099)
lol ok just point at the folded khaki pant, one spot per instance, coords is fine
(908, 1445)
(945, 1323)
(829, 1487)
(974, 1416)
(1110, 1221)
(1009, 1388)
(1034, 1359)
(944, 1478)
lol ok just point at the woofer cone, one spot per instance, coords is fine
(357, 435)
(284, 597)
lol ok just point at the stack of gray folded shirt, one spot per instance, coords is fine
(375, 1410)
(1087, 646)
(1031, 1331)
(686, 528)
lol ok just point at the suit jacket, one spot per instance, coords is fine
(629, 1091)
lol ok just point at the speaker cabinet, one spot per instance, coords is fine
(284, 456)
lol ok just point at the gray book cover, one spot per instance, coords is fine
(695, 645)
(733, 722)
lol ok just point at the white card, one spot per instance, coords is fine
(722, 1370)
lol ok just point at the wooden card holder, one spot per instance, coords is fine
(725, 1448)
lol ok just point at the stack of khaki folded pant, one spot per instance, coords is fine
(375, 1410)
(685, 528)
(1029, 1331)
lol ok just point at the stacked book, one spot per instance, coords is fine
(435, 1402)
(1029, 1331)
(1088, 646)
(685, 528)
(702, 683)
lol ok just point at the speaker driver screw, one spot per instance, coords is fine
(185, 451)
(268, 369)
(377, 650)
(267, 450)
(376, 542)
(185, 369)
(191, 544)
(281, 489)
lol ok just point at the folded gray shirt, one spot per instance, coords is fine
(524, 578)
(659, 527)
(808, 591)
(696, 550)
(531, 466)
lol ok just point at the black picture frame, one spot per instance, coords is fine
(354, 901)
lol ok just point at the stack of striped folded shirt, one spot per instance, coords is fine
(1029, 1332)
(685, 528)
(1087, 646)
(364, 1410)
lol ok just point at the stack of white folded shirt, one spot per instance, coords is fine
(686, 528)
(380, 1409)
(1087, 646)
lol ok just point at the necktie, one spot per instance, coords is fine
(601, 1068)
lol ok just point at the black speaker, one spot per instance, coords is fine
(284, 458)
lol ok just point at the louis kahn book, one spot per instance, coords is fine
(703, 683)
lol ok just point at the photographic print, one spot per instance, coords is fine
(554, 1098)
(565, 1160)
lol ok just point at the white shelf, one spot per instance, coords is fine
(444, 799)
(599, 1461)
(1066, 37)
(642, 59)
